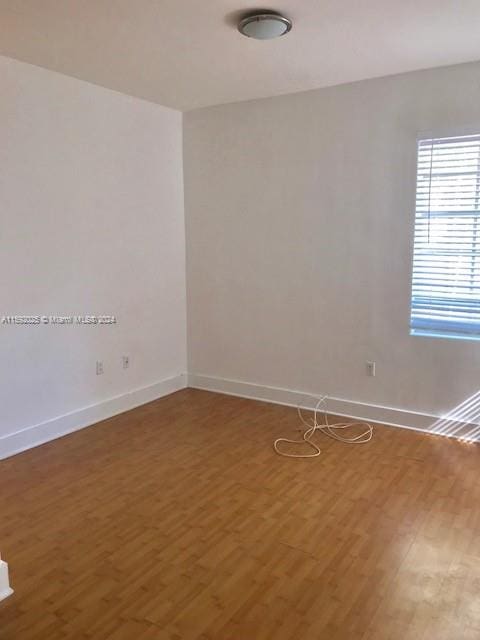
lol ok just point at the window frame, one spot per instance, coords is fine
(422, 135)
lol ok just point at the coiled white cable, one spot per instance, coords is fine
(330, 430)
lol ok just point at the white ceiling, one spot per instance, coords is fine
(187, 53)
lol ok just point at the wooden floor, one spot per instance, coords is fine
(177, 521)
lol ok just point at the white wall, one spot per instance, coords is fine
(299, 233)
(91, 222)
(299, 237)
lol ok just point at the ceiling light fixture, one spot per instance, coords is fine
(264, 26)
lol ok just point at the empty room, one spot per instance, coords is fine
(239, 320)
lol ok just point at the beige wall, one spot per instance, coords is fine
(299, 238)
(91, 222)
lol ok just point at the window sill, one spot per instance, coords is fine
(423, 333)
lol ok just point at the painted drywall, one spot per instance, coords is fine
(186, 54)
(91, 223)
(299, 217)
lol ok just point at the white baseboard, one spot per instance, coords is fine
(5, 589)
(448, 425)
(35, 435)
(40, 433)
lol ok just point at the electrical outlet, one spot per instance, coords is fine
(99, 367)
(370, 369)
(126, 362)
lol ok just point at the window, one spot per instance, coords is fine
(446, 261)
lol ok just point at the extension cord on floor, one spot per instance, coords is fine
(334, 431)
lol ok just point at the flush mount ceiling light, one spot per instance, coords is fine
(264, 26)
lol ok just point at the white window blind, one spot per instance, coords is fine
(446, 262)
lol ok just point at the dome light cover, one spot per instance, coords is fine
(264, 26)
